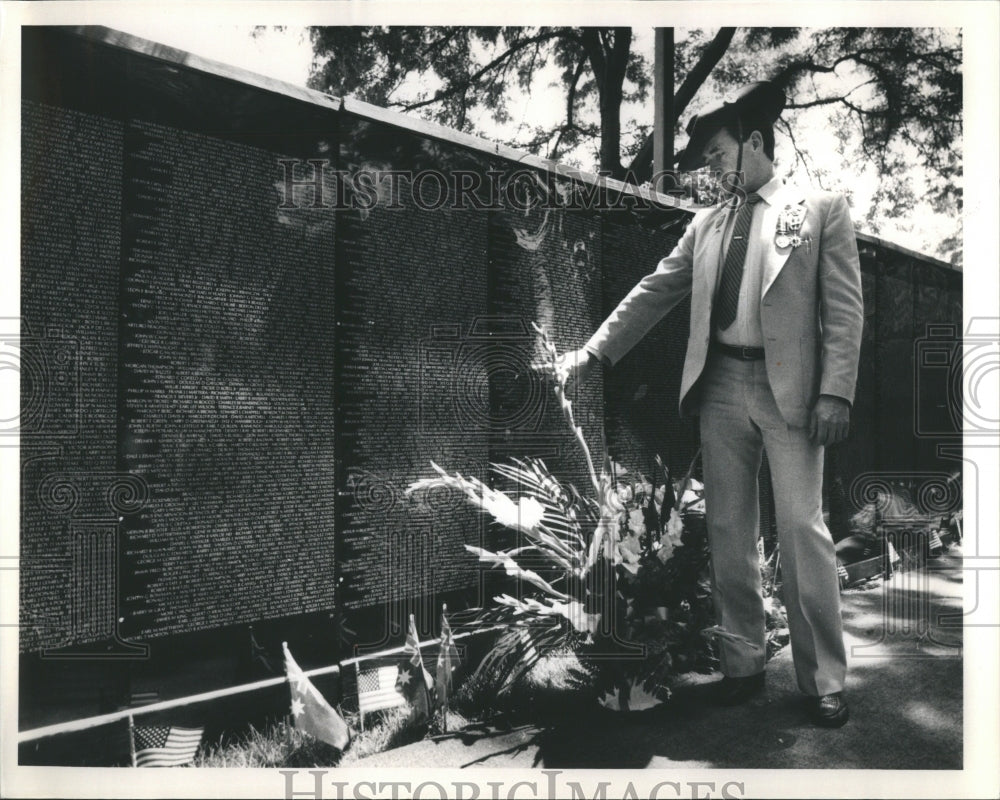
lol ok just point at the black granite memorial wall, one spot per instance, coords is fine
(413, 282)
(70, 244)
(545, 270)
(179, 469)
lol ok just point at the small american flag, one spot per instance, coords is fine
(377, 688)
(165, 745)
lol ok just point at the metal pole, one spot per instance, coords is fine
(446, 681)
(131, 738)
(663, 107)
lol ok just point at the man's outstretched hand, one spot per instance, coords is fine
(577, 366)
(830, 421)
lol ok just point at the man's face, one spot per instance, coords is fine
(720, 153)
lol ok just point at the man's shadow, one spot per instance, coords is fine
(687, 728)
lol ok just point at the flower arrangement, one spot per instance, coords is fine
(618, 576)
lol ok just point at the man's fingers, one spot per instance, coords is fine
(838, 430)
(831, 432)
(828, 425)
(823, 430)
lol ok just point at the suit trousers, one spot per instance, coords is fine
(739, 419)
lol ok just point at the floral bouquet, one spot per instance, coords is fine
(618, 576)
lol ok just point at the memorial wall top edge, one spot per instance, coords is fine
(136, 44)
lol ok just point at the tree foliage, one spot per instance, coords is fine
(451, 72)
(892, 96)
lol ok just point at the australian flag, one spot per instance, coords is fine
(414, 682)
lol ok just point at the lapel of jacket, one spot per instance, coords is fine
(775, 258)
(709, 248)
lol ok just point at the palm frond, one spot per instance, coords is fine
(532, 474)
(559, 517)
(572, 610)
(515, 570)
(556, 551)
(519, 650)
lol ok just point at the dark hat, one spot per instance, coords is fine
(755, 104)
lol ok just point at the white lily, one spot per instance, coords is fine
(524, 515)
(636, 522)
(675, 525)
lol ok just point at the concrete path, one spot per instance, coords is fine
(904, 686)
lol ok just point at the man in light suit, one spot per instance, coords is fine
(772, 358)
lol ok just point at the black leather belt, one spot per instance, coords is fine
(742, 353)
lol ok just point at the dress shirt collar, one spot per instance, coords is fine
(766, 192)
(769, 189)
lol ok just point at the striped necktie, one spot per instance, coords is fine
(728, 296)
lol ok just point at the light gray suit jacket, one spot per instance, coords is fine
(811, 308)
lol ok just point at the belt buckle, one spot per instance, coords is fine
(745, 354)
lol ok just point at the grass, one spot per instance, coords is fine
(282, 745)
(394, 728)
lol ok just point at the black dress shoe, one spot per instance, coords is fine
(734, 691)
(828, 711)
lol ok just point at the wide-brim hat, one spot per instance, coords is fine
(755, 104)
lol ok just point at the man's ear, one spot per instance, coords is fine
(757, 141)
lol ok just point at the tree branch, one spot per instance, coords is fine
(784, 76)
(642, 164)
(570, 111)
(710, 56)
(592, 46)
(824, 101)
(546, 136)
(619, 55)
(438, 44)
(459, 88)
(799, 154)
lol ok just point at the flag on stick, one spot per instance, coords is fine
(413, 681)
(310, 711)
(164, 745)
(446, 663)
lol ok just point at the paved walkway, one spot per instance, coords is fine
(904, 686)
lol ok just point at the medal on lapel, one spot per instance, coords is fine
(789, 222)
